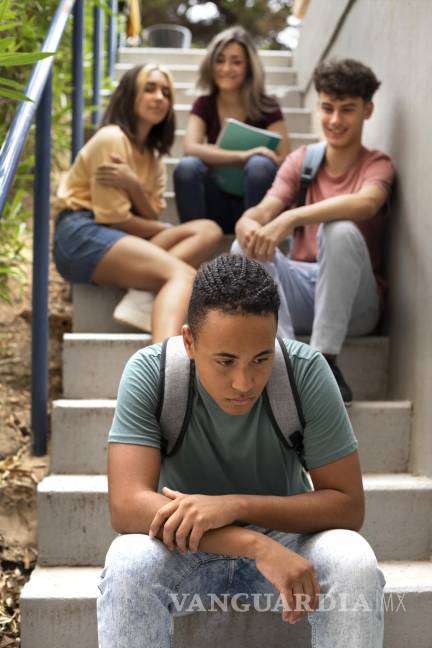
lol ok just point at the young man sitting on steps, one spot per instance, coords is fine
(225, 507)
(331, 285)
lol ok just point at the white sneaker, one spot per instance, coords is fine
(135, 309)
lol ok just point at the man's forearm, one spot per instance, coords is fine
(347, 207)
(265, 211)
(136, 516)
(304, 513)
(233, 541)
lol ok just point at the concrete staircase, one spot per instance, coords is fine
(58, 603)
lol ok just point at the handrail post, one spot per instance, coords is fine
(97, 61)
(41, 214)
(112, 38)
(77, 77)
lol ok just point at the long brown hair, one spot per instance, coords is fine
(255, 100)
(121, 110)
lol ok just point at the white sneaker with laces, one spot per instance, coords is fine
(135, 309)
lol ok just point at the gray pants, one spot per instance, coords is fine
(143, 584)
(330, 299)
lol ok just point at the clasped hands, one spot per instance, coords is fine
(260, 241)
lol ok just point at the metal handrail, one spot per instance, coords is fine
(39, 90)
(16, 137)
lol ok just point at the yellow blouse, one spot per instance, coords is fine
(79, 189)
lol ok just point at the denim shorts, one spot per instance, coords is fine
(80, 243)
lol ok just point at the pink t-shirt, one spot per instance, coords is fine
(372, 167)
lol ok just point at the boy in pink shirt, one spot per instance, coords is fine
(331, 285)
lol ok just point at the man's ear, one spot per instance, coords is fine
(368, 109)
(188, 341)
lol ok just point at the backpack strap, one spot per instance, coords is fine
(312, 161)
(176, 389)
(283, 401)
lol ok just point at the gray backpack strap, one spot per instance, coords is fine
(312, 161)
(284, 403)
(176, 385)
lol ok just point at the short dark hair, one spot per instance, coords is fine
(233, 284)
(345, 78)
(121, 111)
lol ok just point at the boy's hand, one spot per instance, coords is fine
(293, 576)
(264, 240)
(245, 229)
(187, 517)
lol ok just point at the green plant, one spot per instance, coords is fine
(9, 57)
(19, 36)
(15, 214)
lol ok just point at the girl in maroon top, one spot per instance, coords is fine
(232, 75)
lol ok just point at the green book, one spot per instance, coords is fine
(237, 136)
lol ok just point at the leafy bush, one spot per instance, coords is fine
(23, 27)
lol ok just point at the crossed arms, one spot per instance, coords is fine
(208, 523)
(143, 222)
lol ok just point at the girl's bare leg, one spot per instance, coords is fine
(133, 262)
(192, 242)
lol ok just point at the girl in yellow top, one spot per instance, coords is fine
(107, 229)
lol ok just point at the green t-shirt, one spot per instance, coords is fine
(222, 454)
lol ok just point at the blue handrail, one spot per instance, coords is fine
(97, 62)
(15, 139)
(39, 377)
(77, 78)
(39, 90)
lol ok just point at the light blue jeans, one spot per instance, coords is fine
(143, 584)
(330, 299)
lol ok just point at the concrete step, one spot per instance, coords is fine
(80, 431)
(186, 92)
(184, 72)
(287, 96)
(297, 120)
(168, 56)
(58, 605)
(296, 140)
(74, 524)
(93, 363)
(93, 307)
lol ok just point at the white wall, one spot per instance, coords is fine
(394, 37)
